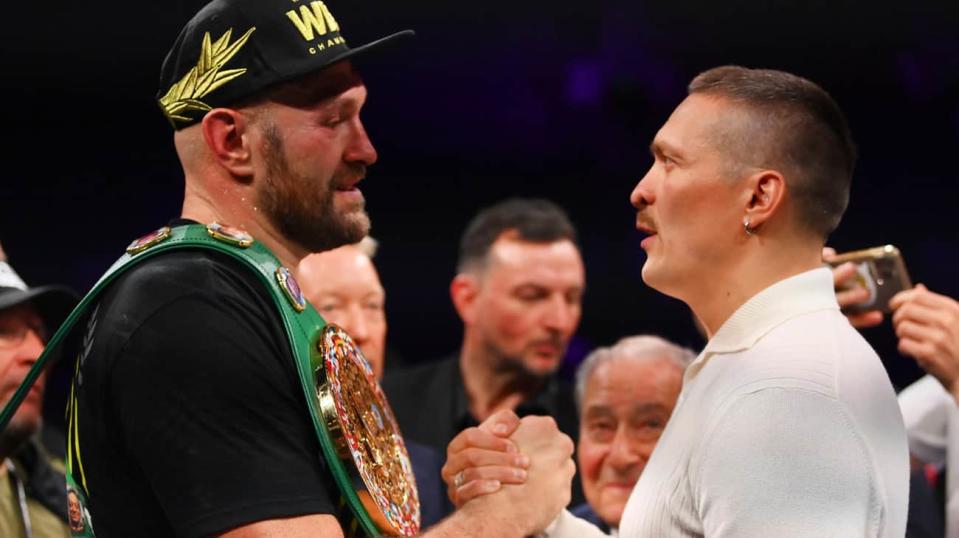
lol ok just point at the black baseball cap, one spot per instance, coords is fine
(54, 303)
(232, 49)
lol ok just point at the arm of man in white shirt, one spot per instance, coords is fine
(925, 411)
(784, 462)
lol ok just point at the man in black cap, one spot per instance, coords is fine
(32, 501)
(189, 417)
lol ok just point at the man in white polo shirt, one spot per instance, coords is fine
(787, 424)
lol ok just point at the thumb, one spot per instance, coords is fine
(501, 423)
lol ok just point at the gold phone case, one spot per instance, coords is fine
(881, 271)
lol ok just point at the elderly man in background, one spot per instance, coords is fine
(625, 394)
(32, 497)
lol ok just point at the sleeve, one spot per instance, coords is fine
(566, 525)
(785, 462)
(925, 409)
(211, 411)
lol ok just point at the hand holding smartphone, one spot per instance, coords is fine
(880, 271)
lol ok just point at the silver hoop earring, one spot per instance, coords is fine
(746, 226)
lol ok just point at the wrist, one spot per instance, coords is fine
(494, 518)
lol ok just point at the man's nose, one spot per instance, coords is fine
(561, 315)
(624, 452)
(30, 348)
(642, 194)
(359, 328)
(360, 149)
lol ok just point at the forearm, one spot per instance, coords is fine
(472, 522)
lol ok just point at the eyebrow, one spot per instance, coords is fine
(658, 147)
(637, 409)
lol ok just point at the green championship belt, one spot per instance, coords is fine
(358, 433)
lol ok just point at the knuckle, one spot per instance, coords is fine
(472, 435)
(938, 339)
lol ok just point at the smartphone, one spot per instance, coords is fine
(880, 271)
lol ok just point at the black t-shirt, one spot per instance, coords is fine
(192, 420)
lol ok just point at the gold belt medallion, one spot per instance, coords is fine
(366, 434)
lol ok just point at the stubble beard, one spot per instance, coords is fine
(519, 370)
(303, 212)
(17, 433)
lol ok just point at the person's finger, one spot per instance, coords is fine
(504, 475)
(865, 319)
(900, 299)
(502, 423)
(828, 253)
(470, 490)
(911, 330)
(474, 458)
(842, 273)
(916, 313)
(479, 438)
(851, 296)
(480, 457)
(923, 296)
(922, 351)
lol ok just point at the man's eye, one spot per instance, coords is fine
(332, 121)
(653, 425)
(601, 426)
(601, 431)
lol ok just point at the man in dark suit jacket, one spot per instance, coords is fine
(518, 290)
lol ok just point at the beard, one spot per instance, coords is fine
(302, 210)
(516, 367)
(17, 433)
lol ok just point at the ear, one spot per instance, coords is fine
(765, 197)
(464, 290)
(226, 134)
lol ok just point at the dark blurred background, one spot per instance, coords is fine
(492, 99)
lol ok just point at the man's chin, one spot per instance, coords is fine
(17, 433)
(542, 366)
(656, 277)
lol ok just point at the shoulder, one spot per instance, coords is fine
(190, 288)
(182, 312)
(184, 271)
(815, 351)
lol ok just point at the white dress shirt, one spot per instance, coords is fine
(787, 425)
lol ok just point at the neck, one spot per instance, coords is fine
(759, 265)
(238, 208)
(490, 389)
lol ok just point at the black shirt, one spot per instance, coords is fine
(431, 405)
(192, 420)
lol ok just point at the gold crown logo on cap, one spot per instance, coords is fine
(204, 77)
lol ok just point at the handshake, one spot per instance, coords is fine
(492, 479)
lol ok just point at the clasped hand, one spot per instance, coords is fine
(520, 470)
